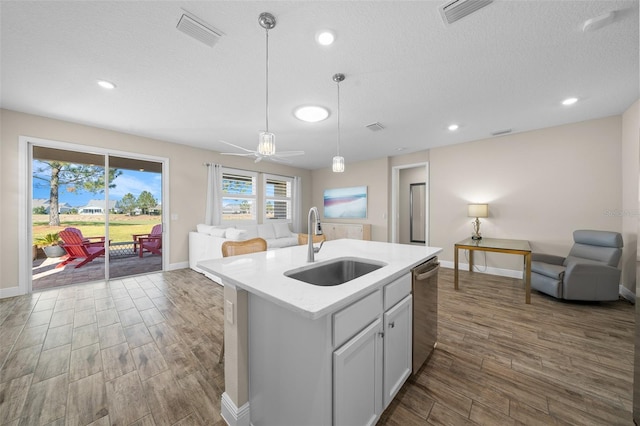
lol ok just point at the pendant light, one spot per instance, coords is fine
(338, 161)
(267, 140)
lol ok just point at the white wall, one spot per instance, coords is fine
(630, 209)
(375, 175)
(540, 186)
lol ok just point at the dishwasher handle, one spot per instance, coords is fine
(426, 275)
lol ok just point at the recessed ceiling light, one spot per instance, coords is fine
(311, 113)
(569, 101)
(325, 37)
(106, 84)
(453, 127)
(402, 148)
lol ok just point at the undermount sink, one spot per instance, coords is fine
(334, 272)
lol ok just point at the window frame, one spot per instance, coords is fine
(250, 197)
(266, 198)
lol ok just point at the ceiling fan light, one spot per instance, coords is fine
(338, 164)
(267, 143)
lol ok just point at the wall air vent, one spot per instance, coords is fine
(198, 30)
(375, 127)
(458, 9)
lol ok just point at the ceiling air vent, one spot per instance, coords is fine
(458, 9)
(375, 127)
(198, 30)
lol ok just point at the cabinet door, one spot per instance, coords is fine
(397, 347)
(357, 378)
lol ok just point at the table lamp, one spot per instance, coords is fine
(477, 211)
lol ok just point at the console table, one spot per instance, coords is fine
(520, 247)
(355, 231)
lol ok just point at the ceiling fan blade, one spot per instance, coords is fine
(237, 146)
(277, 159)
(248, 154)
(289, 153)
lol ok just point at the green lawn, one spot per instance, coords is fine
(121, 227)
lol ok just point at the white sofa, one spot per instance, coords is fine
(206, 242)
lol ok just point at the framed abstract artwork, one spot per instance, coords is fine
(345, 203)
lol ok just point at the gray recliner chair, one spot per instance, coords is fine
(589, 272)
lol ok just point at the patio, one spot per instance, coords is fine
(123, 261)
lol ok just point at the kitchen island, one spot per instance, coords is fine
(288, 344)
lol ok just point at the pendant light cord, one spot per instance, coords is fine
(338, 144)
(267, 81)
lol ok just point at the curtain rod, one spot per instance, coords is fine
(247, 170)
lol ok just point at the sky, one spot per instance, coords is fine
(130, 181)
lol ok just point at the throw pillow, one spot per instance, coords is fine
(234, 234)
(282, 230)
(205, 229)
(265, 231)
(218, 232)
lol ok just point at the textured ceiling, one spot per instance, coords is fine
(507, 66)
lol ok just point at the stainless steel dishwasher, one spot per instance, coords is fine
(424, 280)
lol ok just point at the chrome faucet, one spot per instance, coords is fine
(317, 230)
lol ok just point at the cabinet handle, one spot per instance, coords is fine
(381, 334)
(392, 324)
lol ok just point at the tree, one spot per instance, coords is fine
(146, 201)
(244, 206)
(127, 204)
(72, 177)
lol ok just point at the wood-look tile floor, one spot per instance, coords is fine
(500, 361)
(143, 351)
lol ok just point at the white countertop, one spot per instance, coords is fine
(263, 273)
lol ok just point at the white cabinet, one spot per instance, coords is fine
(370, 368)
(357, 378)
(341, 369)
(397, 348)
(354, 231)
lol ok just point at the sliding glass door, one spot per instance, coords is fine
(135, 220)
(94, 216)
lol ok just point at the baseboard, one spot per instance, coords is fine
(179, 265)
(10, 292)
(489, 270)
(627, 294)
(624, 292)
(233, 415)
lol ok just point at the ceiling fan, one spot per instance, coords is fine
(266, 141)
(278, 158)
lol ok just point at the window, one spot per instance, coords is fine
(238, 196)
(278, 198)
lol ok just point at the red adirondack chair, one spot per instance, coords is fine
(77, 249)
(152, 242)
(88, 241)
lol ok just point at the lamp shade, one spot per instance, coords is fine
(478, 210)
(338, 164)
